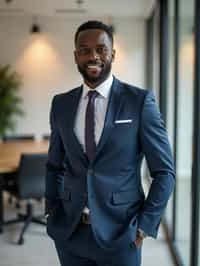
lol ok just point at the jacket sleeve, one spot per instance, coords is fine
(54, 166)
(156, 148)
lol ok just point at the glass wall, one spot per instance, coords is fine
(180, 126)
(170, 100)
(156, 54)
(185, 127)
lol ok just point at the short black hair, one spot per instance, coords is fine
(94, 24)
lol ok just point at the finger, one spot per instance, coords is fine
(138, 242)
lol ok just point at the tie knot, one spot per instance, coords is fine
(92, 94)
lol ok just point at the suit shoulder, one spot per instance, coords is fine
(63, 96)
(134, 90)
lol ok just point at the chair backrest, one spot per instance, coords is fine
(18, 137)
(46, 137)
(31, 176)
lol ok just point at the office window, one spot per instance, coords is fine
(170, 99)
(156, 55)
(185, 127)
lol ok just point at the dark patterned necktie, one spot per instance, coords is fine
(90, 144)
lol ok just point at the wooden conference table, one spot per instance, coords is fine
(10, 154)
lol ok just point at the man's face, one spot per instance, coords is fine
(94, 56)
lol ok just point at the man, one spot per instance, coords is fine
(96, 208)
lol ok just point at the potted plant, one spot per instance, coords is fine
(10, 102)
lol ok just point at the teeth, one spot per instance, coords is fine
(93, 66)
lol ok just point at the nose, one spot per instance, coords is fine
(94, 54)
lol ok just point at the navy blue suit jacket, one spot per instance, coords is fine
(111, 183)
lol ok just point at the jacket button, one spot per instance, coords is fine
(90, 172)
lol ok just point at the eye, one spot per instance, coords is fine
(83, 51)
(102, 50)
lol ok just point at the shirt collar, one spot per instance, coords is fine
(103, 89)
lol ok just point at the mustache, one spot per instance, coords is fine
(94, 62)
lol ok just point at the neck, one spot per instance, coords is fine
(93, 85)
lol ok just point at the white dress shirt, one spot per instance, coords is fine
(100, 108)
(100, 105)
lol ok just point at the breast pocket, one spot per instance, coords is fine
(120, 124)
(124, 126)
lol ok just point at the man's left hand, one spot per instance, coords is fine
(139, 238)
(138, 241)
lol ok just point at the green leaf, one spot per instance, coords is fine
(10, 102)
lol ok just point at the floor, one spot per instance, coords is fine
(38, 249)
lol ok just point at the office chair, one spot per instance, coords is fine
(18, 137)
(30, 184)
(46, 137)
(8, 177)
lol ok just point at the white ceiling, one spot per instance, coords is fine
(133, 8)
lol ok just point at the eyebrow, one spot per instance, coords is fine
(83, 45)
(98, 45)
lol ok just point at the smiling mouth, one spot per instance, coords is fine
(94, 69)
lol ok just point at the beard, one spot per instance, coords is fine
(106, 69)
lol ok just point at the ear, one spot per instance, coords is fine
(75, 56)
(113, 55)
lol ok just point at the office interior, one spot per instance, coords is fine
(157, 48)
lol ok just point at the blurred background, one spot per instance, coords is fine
(157, 48)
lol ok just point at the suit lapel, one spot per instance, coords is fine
(74, 142)
(115, 101)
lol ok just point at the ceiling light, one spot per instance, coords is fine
(35, 28)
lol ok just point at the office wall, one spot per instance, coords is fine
(47, 66)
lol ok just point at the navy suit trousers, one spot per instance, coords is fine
(82, 250)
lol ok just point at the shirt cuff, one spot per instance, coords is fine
(141, 233)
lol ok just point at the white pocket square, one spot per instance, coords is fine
(123, 121)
